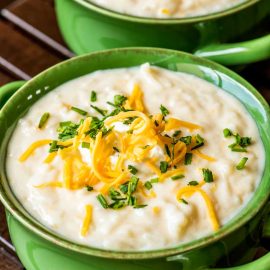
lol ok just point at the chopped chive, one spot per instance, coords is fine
(176, 133)
(164, 110)
(129, 120)
(124, 188)
(241, 165)
(199, 142)
(43, 120)
(93, 97)
(102, 201)
(116, 149)
(156, 123)
(168, 152)
(119, 100)
(102, 112)
(184, 201)
(89, 188)
(117, 205)
(132, 169)
(188, 158)
(193, 183)
(138, 206)
(145, 146)
(132, 184)
(148, 185)
(207, 176)
(177, 177)
(77, 110)
(106, 131)
(130, 131)
(227, 132)
(186, 140)
(154, 180)
(54, 146)
(85, 145)
(163, 166)
(236, 148)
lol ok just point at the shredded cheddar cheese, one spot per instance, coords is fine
(31, 149)
(87, 220)
(189, 191)
(145, 133)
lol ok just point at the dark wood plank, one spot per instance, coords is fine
(6, 77)
(9, 262)
(5, 3)
(38, 18)
(21, 55)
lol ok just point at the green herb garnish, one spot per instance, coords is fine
(188, 158)
(43, 120)
(89, 188)
(154, 180)
(193, 183)
(67, 130)
(199, 142)
(132, 169)
(101, 111)
(240, 144)
(79, 111)
(93, 97)
(163, 166)
(184, 201)
(129, 120)
(148, 185)
(207, 176)
(140, 206)
(102, 201)
(54, 146)
(85, 145)
(241, 165)
(164, 110)
(227, 132)
(117, 205)
(119, 100)
(177, 177)
(167, 149)
(186, 140)
(176, 133)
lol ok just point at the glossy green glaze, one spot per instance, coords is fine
(39, 248)
(88, 28)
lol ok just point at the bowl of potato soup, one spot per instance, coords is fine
(135, 158)
(221, 30)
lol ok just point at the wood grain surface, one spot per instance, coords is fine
(30, 42)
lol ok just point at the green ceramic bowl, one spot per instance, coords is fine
(235, 243)
(87, 27)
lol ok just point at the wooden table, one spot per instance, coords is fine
(31, 42)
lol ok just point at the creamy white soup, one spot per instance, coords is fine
(167, 8)
(135, 159)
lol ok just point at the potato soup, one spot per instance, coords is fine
(137, 158)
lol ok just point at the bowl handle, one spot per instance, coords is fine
(8, 90)
(245, 52)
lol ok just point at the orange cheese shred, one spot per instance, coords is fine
(87, 220)
(31, 149)
(189, 191)
(203, 156)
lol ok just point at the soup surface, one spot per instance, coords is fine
(135, 159)
(167, 8)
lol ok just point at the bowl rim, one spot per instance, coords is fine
(166, 21)
(45, 233)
